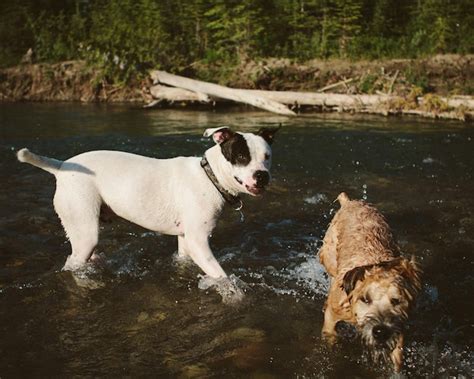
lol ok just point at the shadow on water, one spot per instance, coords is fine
(141, 312)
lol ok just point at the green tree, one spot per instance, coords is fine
(436, 25)
(304, 35)
(234, 28)
(126, 36)
(330, 29)
(349, 23)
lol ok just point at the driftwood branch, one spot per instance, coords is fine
(390, 89)
(331, 86)
(221, 91)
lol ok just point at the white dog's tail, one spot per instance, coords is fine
(48, 164)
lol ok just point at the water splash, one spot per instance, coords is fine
(312, 275)
(316, 199)
(307, 279)
(231, 289)
(444, 359)
(88, 277)
(281, 224)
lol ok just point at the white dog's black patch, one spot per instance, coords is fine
(236, 150)
(268, 134)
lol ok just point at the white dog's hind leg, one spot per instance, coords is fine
(198, 249)
(83, 239)
(79, 214)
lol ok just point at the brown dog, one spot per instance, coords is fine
(372, 287)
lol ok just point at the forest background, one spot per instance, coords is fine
(125, 38)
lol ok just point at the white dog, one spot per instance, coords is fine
(181, 196)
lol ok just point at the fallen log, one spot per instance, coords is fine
(216, 90)
(456, 101)
(455, 107)
(172, 94)
(351, 101)
(328, 100)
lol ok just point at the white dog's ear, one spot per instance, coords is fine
(268, 133)
(220, 134)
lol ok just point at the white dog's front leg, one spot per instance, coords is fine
(182, 253)
(197, 246)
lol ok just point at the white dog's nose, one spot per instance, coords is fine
(262, 178)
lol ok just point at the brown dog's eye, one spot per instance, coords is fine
(395, 302)
(366, 299)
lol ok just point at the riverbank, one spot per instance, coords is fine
(437, 77)
(65, 81)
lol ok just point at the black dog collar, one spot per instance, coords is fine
(234, 201)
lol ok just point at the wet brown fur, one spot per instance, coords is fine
(361, 256)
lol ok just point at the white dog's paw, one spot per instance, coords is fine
(85, 275)
(231, 289)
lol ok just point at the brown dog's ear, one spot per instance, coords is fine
(412, 273)
(352, 277)
(268, 133)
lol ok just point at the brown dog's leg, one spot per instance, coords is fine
(397, 355)
(329, 328)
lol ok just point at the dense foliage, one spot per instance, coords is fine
(127, 36)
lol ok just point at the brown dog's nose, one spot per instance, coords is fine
(381, 333)
(262, 178)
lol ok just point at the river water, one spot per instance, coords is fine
(143, 314)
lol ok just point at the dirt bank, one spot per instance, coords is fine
(443, 75)
(65, 81)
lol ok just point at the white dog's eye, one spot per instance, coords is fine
(267, 157)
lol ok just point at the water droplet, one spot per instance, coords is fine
(364, 191)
